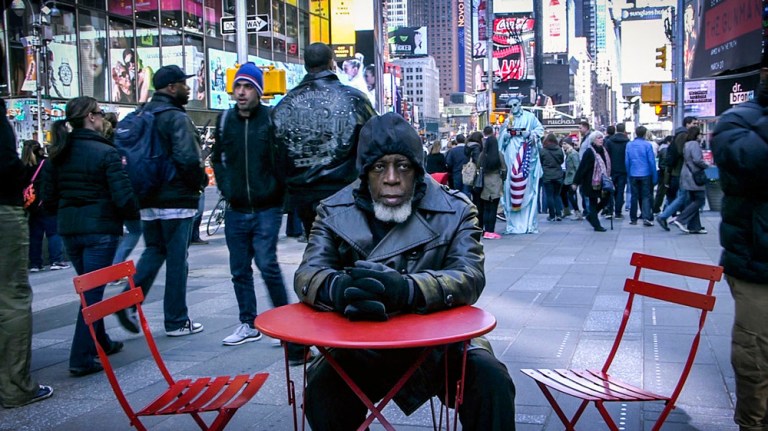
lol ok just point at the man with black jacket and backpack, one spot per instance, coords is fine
(167, 212)
(249, 175)
(617, 149)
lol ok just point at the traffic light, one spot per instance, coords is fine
(661, 110)
(661, 57)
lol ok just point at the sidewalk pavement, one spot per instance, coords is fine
(557, 295)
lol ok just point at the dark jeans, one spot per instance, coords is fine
(253, 237)
(489, 393)
(40, 225)
(661, 191)
(552, 191)
(128, 241)
(617, 198)
(293, 225)
(674, 186)
(89, 253)
(596, 204)
(690, 214)
(167, 242)
(307, 213)
(572, 198)
(487, 213)
(641, 191)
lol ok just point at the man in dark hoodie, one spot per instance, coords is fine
(456, 159)
(397, 242)
(317, 124)
(617, 148)
(740, 149)
(17, 387)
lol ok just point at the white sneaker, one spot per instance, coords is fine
(243, 334)
(680, 226)
(189, 328)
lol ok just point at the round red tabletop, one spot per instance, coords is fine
(302, 324)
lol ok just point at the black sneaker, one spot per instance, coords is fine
(308, 357)
(81, 372)
(37, 268)
(115, 347)
(663, 223)
(199, 241)
(633, 222)
(128, 320)
(618, 216)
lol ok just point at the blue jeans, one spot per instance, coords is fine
(620, 183)
(128, 241)
(253, 237)
(167, 242)
(552, 191)
(641, 190)
(89, 253)
(675, 205)
(41, 224)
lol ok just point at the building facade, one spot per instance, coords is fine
(420, 80)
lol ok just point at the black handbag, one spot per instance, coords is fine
(478, 183)
(699, 177)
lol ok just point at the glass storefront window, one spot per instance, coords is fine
(121, 49)
(170, 13)
(212, 14)
(292, 30)
(303, 31)
(93, 59)
(120, 7)
(193, 15)
(60, 59)
(278, 26)
(194, 62)
(98, 4)
(146, 10)
(145, 61)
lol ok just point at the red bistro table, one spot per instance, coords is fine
(299, 323)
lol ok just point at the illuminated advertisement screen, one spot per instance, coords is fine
(513, 48)
(555, 36)
(479, 28)
(218, 62)
(700, 98)
(513, 6)
(407, 41)
(642, 31)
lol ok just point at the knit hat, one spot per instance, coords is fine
(251, 74)
(388, 134)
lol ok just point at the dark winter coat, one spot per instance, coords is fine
(583, 175)
(437, 248)
(552, 158)
(435, 163)
(88, 187)
(180, 139)
(617, 148)
(317, 124)
(740, 149)
(456, 159)
(246, 161)
(11, 169)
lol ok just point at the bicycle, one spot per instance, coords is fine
(216, 219)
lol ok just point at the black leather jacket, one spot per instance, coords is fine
(180, 139)
(740, 149)
(438, 248)
(317, 124)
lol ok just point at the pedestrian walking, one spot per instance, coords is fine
(571, 166)
(617, 149)
(552, 158)
(595, 163)
(641, 169)
(92, 195)
(689, 221)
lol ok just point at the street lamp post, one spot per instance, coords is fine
(37, 40)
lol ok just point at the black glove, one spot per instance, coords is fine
(370, 282)
(365, 310)
(333, 294)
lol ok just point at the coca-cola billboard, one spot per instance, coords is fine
(513, 47)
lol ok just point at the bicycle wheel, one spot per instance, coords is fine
(216, 218)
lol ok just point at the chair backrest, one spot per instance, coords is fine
(704, 302)
(96, 311)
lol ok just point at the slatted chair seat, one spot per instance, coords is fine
(598, 386)
(222, 394)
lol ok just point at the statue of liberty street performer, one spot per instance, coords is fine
(520, 139)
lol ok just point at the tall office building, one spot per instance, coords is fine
(449, 33)
(397, 13)
(420, 85)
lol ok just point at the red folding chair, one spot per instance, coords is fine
(205, 394)
(598, 386)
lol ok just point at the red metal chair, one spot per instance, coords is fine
(205, 394)
(598, 386)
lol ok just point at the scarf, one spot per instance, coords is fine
(601, 168)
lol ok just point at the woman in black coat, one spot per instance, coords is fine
(588, 179)
(92, 194)
(435, 161)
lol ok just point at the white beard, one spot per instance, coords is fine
(389, 214)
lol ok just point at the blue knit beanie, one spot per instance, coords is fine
(251, 74)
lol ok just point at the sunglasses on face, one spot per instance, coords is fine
(99, 112)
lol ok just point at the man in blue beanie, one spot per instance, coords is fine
(395, 241)
(245, 161)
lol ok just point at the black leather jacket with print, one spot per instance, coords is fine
(317, 124)
(438, 248)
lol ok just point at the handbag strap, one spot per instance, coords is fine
(37, 171)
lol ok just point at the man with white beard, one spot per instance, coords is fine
(395, 241)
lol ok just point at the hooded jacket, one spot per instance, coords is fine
(317, 125)
(246, 161)
(552, 158)
(740, 150)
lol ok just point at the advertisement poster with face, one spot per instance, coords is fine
(195, 63)
(93, 58)
(721, 35)
(132, 73)
(512, 47)
(219, 61)
(407, 41)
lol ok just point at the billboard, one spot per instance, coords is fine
(479, 28)
(700, 98)
(407, 41)
(555, 27)
(721, 36)
(642, 31)
(513, 48)
(513, 6)
(461, 34)
(730, 92)
(342, 29)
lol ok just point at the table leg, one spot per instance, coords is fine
(291, 388)
(375, 409)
